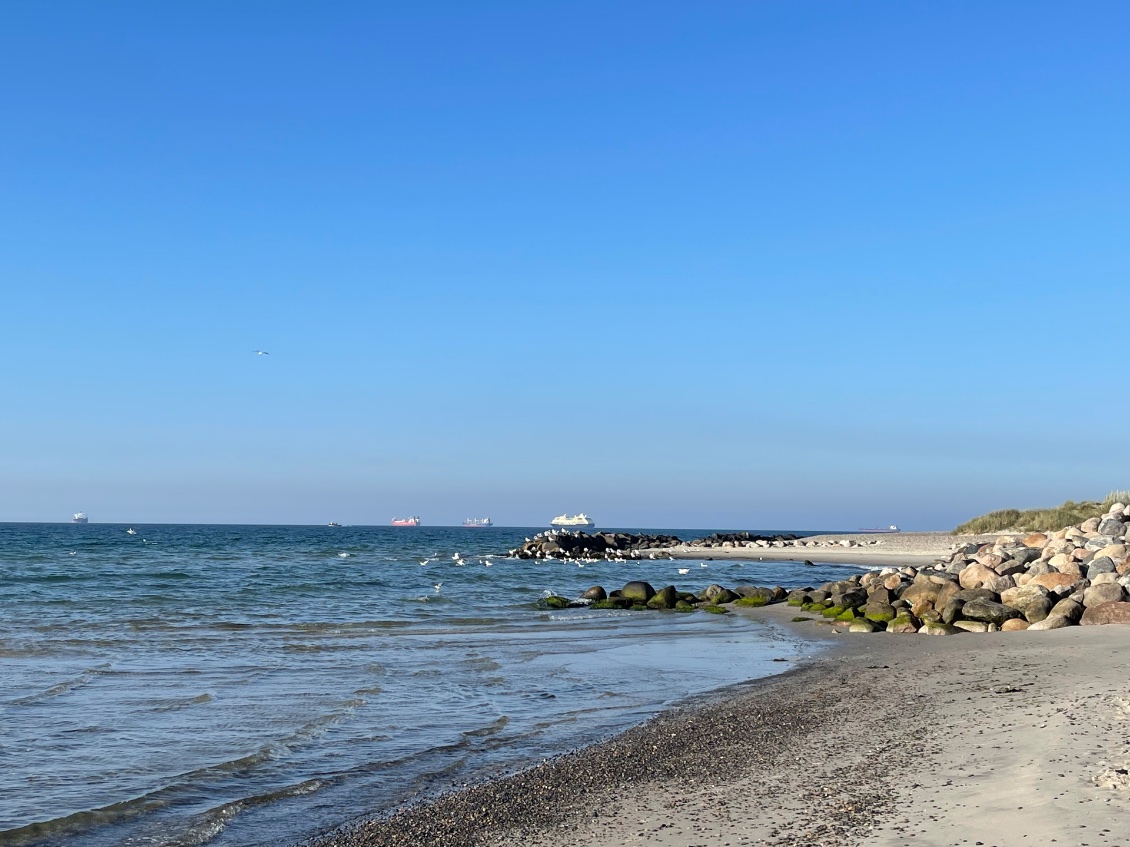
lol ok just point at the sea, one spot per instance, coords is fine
(259, 685)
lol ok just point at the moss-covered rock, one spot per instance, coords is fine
(833, 611)
(846, 615)
(715, 610)
(752, 601)
(638, 592)
(684, 606)
(605, 604)
(553, 602)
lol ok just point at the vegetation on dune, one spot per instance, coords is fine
(1041, 520)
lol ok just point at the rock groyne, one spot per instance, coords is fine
(1038, 581)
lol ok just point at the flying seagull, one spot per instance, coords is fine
(261, 353)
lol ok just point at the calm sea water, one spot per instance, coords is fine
(251, 685)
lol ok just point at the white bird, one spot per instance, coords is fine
(74, 552)
(684, 570)
(704, 565)
(262, 353)
(343, 555)
(438, 587)
(487, 562)
(456, 557)
(131, 531)
(424, 562)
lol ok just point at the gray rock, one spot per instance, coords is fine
(1103, 564)
(595, 593)
(849, 599)
(951, 612)
(1112, 528)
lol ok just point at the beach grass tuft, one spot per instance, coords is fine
(1041, 520)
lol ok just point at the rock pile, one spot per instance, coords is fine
(564, 544)
(639, 595)
(744, 539)
(1078, 575)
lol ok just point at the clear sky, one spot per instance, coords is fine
(727, 264)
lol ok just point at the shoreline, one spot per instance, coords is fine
(879, 740)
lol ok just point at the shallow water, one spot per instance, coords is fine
(236, 685)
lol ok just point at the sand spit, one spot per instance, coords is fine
(1007, 739)
(866, 550)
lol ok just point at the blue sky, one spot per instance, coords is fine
(789, 264)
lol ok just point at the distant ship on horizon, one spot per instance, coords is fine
(891, 528)
(412, 521)
(477, 522)
(576, 520)
(80, 517)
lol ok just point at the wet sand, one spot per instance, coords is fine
(879, 740)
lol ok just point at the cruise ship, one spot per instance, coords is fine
(412, 521)
(477, 522)
(576, 520)
(80, 517)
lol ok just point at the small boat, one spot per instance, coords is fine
(80, 517)
(412, 521)
(131, 531)
(333, 523)
(477, 522)
(891, 528)
(576, 520)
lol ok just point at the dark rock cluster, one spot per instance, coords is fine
(738, 539)
(565, 544)
(639, 596)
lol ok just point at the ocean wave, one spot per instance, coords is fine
(61, 688)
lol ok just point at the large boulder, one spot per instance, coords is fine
(976, 575)
(1100, 564)
(1014, 625)
(758, 596)
(639, 592)
(595, 593)
(1106, 592)
(716, 594)
(1069, 609)
(1117, 612)
(1111, 527)
(664, 598)
(987, 611)
(852, 599)
(904, 623)
(1030, 600)
(1051, 581)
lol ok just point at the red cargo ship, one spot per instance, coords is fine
(413, 521)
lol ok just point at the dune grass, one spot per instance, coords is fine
(1041, 520)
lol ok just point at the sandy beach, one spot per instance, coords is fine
(866, 550)
(1001, 739)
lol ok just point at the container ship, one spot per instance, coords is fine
(576, 520)
(412, 521)
(80, 517)
(477, 522)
